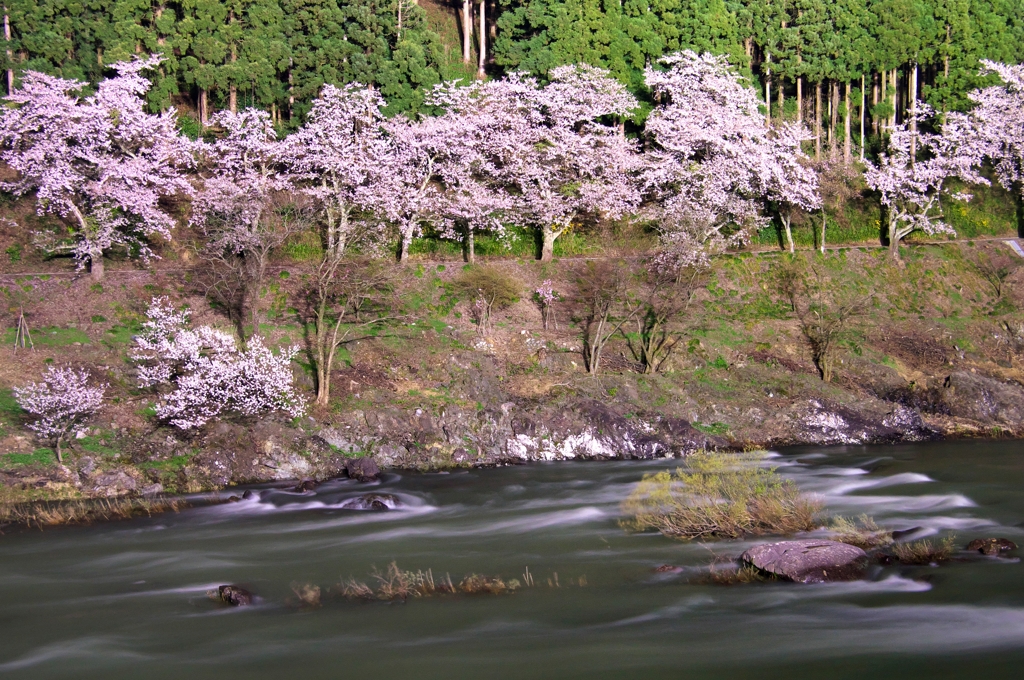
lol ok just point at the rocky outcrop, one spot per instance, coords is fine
(822, 423)
(984, 399)
(362, 469)
(808, 561)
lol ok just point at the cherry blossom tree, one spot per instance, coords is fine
(998, 115)
(100, 162)
(715, 160)
(911, 185)
(245, 209)
(208, 375)
(549, 148)
(335, 158)
(62, 400)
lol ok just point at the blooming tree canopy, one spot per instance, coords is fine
(998, 115)
(209, 375)
(911, 185)
(101, 162)
(336, 156)
(715, 158)
(62, 400)
(549, 148)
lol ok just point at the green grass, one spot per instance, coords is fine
(51, 336)
(170, 465)
(41, 457)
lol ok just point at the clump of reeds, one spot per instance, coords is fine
(395, 583)
(52, 513)
(862, 532)
(307, 594)
(720, 496)
(732, 574)
(924, 551)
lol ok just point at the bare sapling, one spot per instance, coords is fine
(340, 292)
(602, 288)
(827, 310)
(664, 295)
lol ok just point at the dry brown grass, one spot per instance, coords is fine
(720, 496)
(54, 513)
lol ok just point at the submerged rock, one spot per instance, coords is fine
(371, 501)
(808, 561)
(306, 485)
(362, 469)
(236, 596)
(991, 546)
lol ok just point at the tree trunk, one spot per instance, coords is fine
(60, 455)
(782, 98)
(467, 31)
(892, 84)
(96, 268)
(10, 54)
(204, 113)
(547, 248)
(846, 126)
(833, 115)
(799, 99)
(404, 243)
(824, 221)
(862, 102)
(788, 231)
(469, 246)
(817, 120)
(483, 40)
(912, 94)
(767, 85)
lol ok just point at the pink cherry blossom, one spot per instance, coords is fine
(101, 162)
(62, 400)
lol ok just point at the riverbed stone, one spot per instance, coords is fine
(362, 469)
(371, 501)
(808, 561)
(991, 546)
(236, 596)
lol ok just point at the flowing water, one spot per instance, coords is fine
(128, 599)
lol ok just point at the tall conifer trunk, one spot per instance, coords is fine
(912, 94)
(846, 124)
(467, 31)
(10, 53)
(863, 98)
(817, 120)
(483, 40)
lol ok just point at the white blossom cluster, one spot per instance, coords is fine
(210, 376)
(63, 399)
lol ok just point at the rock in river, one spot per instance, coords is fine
(362, 469)
(371, 501)
(808, 561)
(236, 596)
(991, 546)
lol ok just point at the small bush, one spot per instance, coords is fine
(719, 496)
(395, 583)
(490, 289)
(924, 552)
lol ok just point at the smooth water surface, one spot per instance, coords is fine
(128, 599)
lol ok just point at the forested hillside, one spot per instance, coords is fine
(839, 64)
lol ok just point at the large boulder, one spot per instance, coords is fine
(362, 469)
(808, 561)
(236, 596)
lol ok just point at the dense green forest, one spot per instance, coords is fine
(839, 64)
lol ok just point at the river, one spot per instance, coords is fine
(128, 599)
